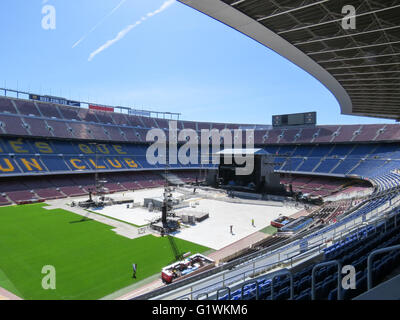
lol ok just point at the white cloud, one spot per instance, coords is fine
(125, 31)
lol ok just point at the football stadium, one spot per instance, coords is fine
(101, 201)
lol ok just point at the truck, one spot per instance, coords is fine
(187, 267)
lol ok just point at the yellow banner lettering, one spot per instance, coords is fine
(115, 163)
(131, 163)
(118, 148)
(17, 146)
(43, 147)
(85, 148)
(9, 168)
(96, 166)
(31, 165)
(76, 162)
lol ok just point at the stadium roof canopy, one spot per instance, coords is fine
(360, 66)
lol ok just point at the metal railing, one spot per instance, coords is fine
(370, 260)
(372, 216)
(134, 111)
(247, 283)
(324, 264)
(224, 289)
(250, 273)
(281, 273)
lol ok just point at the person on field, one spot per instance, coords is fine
(134, 267)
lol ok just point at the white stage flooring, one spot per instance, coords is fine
(214, 232)
(136, 216)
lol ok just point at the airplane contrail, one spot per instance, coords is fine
(99, 23)
(126, 30)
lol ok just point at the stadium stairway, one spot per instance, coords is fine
(172, 178)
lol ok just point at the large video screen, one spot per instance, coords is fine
(295, 119)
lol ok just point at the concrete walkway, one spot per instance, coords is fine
(148, 287)
(137, 288)
(237, 246)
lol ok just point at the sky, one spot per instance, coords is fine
(157, 55)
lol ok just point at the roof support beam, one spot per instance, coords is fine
(362, 73)
(337, 20)
(379, 102)
(360, 58)
(366, 66)
(346, 35)
(370, 79)
(395, 91)
(373, 95)
(372, 85)
(291, 10)
(371, 108)
(387, 107)
(237, 2)
(353, 48)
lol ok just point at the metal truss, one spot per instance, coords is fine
(364, 60)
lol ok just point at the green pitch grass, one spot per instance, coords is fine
(91, 261)
(269, 230)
